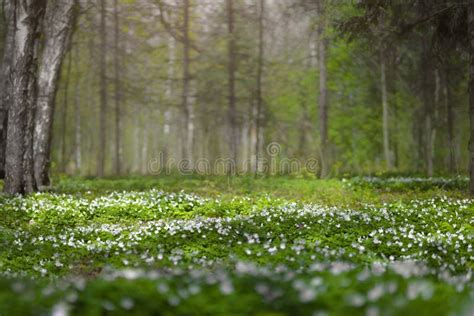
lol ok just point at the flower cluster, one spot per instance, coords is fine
(284, 255)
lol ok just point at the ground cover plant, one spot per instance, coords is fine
(247, 250)
(236, 157)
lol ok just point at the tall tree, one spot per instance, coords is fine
(471, 93)
(427, 95)
(57, 28)
(231, 72)
(77, 116)
(323, 43)
(5, 87)
(450, 119)
(169, 96)
(385, 106)
(18, 161)
(102, 90)
(188, 110)
(259, 112)
(385, 110)
(183, 36)
(64, 115)
(118, 91)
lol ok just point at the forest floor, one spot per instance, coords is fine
(239, 246)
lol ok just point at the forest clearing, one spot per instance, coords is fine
(336, 247)
(236, 157)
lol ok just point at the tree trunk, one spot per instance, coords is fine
(137, 123)
(168, 114)
(57, 32)
(259, 113)
(64, 125)
(435, 116)
(323, 93)
(103, 91)
(417, 131)
(144, 142)
(428, 103)
(18, 161)
(450, 118)
(244, 140)
(188, 110)
(253, 138)
(471, 94)
(28, 162)
(118, 93)
(89, 126)
(385, 120)
(428, 142)
(305, 130)
(231, 69)
(5, 84)
(77, 118)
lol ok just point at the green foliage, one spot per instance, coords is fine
(406, 184)
(152, 252)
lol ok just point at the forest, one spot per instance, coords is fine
(174, 157)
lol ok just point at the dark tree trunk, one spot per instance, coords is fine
(5, 84)
(450, 118)
(323, 92)
(57, 30)
(384, 92)
(471, 94)
(118, 92)
(103, 91)
(231, 69)
(28, 162)
(18, 162)
(428, 105)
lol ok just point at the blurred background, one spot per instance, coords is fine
(361, 86)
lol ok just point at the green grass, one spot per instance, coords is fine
(239, 246)
(306, 189)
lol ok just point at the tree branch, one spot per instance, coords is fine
(168, 27)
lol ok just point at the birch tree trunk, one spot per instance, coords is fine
(58, 28)
(28, 15)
